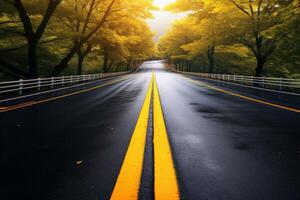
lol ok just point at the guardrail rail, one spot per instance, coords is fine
(278, 84)
(20, 87)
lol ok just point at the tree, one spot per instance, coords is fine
(182, 32)
(210, 21)
(260, 25)
(34, 31)
(106, 7)
(261, 17)
(33, 35)
(122, 12)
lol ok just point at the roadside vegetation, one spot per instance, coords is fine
(44, 38)
(252, 37)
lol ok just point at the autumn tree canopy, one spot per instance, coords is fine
(51, 37)
(231, 33)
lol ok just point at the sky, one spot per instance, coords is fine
(162, 19)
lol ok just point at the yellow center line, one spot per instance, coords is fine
(32, 103)
(242, 96)
(165, 180)
(128, 182)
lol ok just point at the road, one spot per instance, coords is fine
(97, 142)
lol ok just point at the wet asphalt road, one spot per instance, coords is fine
(223, 147)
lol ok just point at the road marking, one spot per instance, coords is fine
(243, 97)
(165, 180)
(22, 105)
(128, 182)
(31, 103)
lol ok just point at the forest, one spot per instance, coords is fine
(247, 37)
(45, 38)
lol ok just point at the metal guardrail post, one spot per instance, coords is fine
(52, 82)
(63, 81)
(263, 82)
(20, 86)
(39, 84)
(280, 84)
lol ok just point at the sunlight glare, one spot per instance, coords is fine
(162, 19)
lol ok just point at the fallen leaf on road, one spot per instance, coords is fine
(79, 162)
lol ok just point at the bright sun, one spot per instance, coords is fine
(162, 19)
(162, 3)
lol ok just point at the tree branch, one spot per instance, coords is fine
(76, 47)
(52, 5)
(245, 42)
(66, 23)
(240, 7)
(13, 31)
(88, 16)
(24, 18)
(25, 45)
(10, 21)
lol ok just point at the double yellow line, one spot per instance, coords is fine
(165, 180)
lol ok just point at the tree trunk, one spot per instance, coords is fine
(128, 66)
(80, 63)
(189, 66)
(64, 62)
(32, 60)
(82, 53)
(211, 59)
(117, 68)
(110, 66)
(105, 63)
(186, 66)
(259, 66)
(181, 66)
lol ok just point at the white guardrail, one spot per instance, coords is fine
(19, 87)
(278, 84)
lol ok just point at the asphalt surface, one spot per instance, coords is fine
(223, 146)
